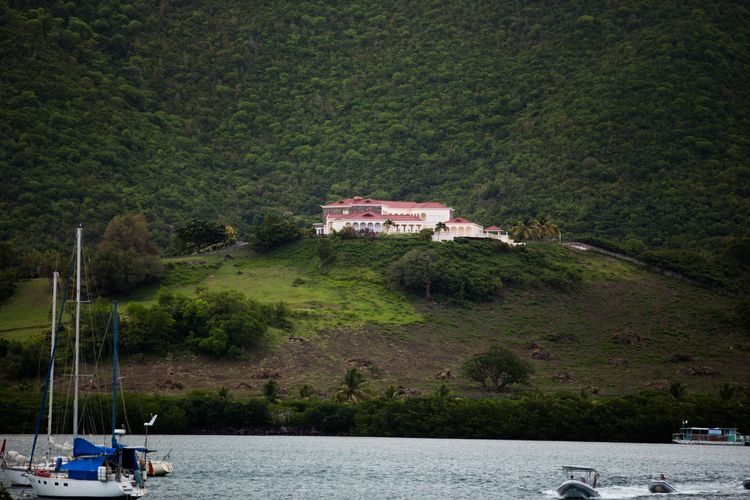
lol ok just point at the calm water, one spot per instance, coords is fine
(380, 468)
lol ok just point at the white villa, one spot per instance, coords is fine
(404, 217)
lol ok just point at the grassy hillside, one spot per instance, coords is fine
(623, 120)
(619, 328)
(27, 313)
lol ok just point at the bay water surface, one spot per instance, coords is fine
(294, 467)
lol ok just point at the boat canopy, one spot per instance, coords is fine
(82, 447)
(574, 468)
(83, 468)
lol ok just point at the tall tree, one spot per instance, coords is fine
(497, 368)
(416, 270)
(198, 233)
(126, 257)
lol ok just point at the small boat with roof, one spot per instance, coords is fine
(581, 482)
(717, 436)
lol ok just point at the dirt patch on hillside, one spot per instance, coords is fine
(411, 361)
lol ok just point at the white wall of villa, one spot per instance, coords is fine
(429, 215)
(376, 223)
(459, 228)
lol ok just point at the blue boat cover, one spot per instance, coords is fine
(123, 455)
(83, 447)
(83, 468)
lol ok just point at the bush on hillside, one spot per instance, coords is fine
(217, 324)
(274, 230)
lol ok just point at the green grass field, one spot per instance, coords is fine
(27, 313)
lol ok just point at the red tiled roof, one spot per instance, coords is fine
(414, 204)
(459, 220)
(374, 217)
(394, 204)
(492, 228)
(347, 202)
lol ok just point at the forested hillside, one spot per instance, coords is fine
(622, 120)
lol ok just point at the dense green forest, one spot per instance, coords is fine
(640, 417)
(622, 120)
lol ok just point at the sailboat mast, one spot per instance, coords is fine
(79, 237)
(114, 377)
(55, 276)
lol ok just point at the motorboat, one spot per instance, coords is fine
(661, 485)
(581, 482)
(746, 484)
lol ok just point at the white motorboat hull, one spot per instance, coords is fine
(661, 486)
(710, 443)
(573, 488)
(14, 476)
(157, 468)
(60, 486)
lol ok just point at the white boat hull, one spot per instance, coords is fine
(703, 442)
(573, 488)
(661, 486)
(60, 486)
(14, 476)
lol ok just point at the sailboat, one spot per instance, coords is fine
(95, 471)
(13, 470)
(11, 473)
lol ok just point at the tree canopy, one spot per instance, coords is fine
(498, 368)
(274, 230)
(126, 257)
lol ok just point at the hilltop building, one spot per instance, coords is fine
(401, 217)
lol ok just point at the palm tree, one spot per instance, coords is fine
(442, 392)
(271, 391)
(388, 224)
(527, 229)
(353, 387)
(440, 226)
(306, 391)
(390, 393)
(547, 229)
